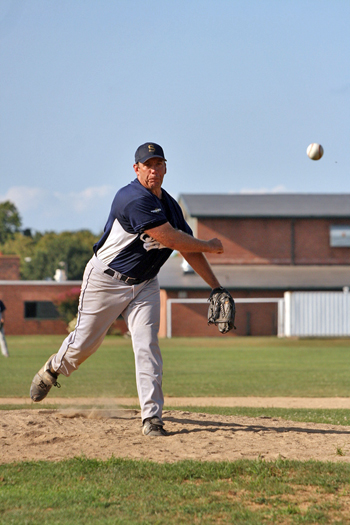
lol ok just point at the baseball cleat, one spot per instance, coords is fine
(152, 426)
(43, 381)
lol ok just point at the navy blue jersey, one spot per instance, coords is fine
(124, 245)
(2, 306)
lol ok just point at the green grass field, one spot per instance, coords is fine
(117, 491)
(192, 367)
(120, 491)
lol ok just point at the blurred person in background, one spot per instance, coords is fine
(3, 345)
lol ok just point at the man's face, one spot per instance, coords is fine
(151, 174)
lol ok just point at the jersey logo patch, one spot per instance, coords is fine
(157, 210)
(149, 243)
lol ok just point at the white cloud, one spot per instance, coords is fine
(277, 189)
(83, 200)
(25, 198)
(44, 209)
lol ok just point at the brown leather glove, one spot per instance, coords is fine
(222, 310)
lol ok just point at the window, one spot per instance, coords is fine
(339, 236)
(40, 310)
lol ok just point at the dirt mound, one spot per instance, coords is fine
(101, 433)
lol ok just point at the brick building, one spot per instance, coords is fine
(290, 229)
(30, 306)
(9, 267)
(273, 243)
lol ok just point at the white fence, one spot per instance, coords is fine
(317, 314)
(278, 300)
(299, 314)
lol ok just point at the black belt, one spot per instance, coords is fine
(121, 277)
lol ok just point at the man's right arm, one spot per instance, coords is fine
(183, 242)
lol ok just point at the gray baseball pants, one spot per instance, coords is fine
(102, 299)
(3, 345)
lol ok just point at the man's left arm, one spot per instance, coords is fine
(199, 263)
(222, 308)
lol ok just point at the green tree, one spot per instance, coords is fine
(66, 250)
(21, 245)
(10, 221)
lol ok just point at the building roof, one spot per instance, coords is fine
(282, 205)
(43, 282)
(259, 277)
(239, 277)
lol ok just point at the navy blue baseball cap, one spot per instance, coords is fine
(148, 151)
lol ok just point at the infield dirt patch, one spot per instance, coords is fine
(47, 434)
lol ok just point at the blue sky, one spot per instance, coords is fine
(234, 91)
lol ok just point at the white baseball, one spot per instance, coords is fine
(314, 151)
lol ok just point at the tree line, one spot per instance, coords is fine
(41, 254)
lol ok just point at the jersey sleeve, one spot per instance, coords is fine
(187, 229)
(145, 212)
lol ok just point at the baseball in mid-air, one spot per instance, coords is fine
(314, 151)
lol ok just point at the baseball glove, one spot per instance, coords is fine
(222, 310)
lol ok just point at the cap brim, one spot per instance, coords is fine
(144, 159)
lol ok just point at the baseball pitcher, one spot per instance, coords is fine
(144, 226)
